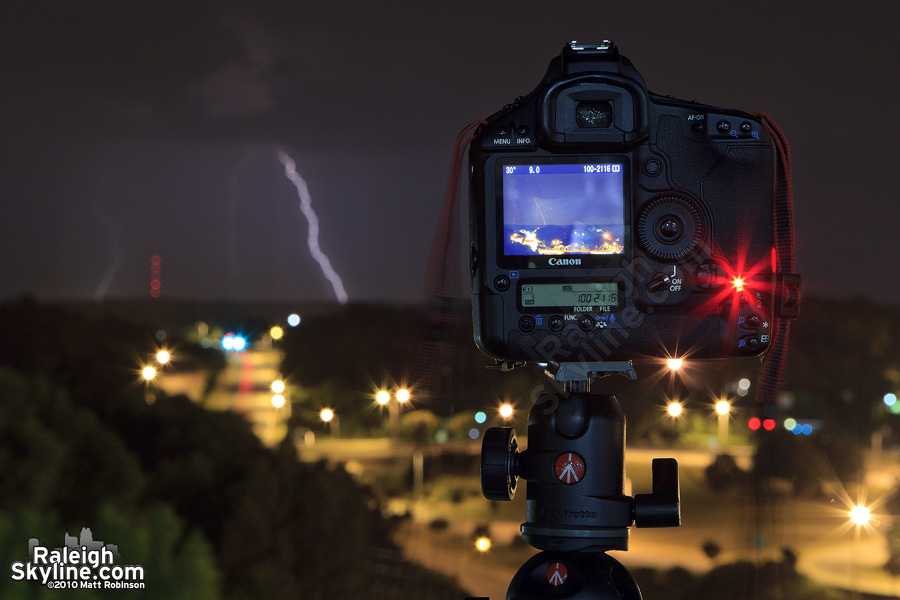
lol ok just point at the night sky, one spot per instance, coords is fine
(132, 129)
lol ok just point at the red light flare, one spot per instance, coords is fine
(742, 281)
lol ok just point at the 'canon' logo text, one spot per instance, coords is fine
(563, 262)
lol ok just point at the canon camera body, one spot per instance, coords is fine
(610, 223)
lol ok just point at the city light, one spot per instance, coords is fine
(506, 411)
(738, 284)
(674, 409)
(754, 423)
(293, 319)
(402, 395)
(483, 544)
(276, 332)
(162, 357)
(277, 400)
(722, 407)
(744, 384)
(382, 397)
(480, 417)
(278, 386)
(768, 424)
(148, 373)
(859, 515)
(890, 399)
(675, 363)
(326, 415)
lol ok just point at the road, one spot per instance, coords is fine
(816, 531)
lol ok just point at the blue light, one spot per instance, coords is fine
(806, 429)
(480, 417)
(228, 341)
(293, 319)
(240, 343)
(890, 399)
(474, 433)
(797, 429)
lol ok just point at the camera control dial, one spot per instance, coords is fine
(670, 227)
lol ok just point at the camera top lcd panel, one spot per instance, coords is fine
(610, 223)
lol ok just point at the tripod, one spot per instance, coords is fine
(576, 507)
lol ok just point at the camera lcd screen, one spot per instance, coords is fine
(563, 209)
(570, 294)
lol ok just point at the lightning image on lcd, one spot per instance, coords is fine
(115, 249)
(290, 171)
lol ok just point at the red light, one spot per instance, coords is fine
(738, 284)
(753, 423)
(769, 424)
(154, 284)
(155, 259)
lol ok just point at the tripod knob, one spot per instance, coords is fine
(498, 452)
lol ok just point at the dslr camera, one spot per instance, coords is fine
(609, 223)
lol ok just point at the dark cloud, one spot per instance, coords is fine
(165, 98)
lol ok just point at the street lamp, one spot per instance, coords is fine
(278, 386)
(334, 423)
(506, 411)
(148, 373)
(277, 400)
(674, 409)
(860, 515)
(402, 395)
(722, 409)
(162, 357)
(483, 544)
(675, 363)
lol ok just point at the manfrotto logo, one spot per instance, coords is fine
(564, 262)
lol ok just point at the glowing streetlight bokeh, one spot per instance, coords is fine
(506, 411)
(278, 386)
(402, 395)
(326, 415)
(859, 515)
(293, 319)
(276, 332)
(483, 544)
(382, 397)
(674, 409)
(722, 407)
(162, 357)
(675, 363)
(148, 373)
(277, 400)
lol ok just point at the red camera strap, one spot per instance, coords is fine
(771, 376)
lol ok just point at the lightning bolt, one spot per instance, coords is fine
(290, 171)
(115, 247)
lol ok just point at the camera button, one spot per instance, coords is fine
(746, 127)
(697, 127)
(556, 323)
(652, 167)
(502, 130)
(501, 283)
(526, 324)
(522, 130)
(723, 126)
(586, 323)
